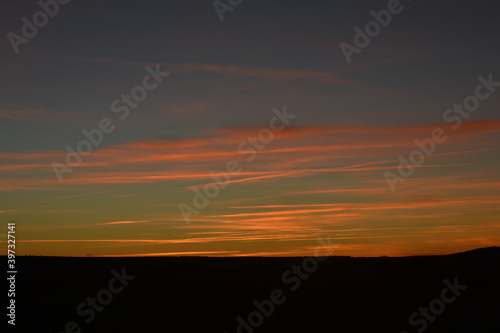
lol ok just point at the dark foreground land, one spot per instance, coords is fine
(199, 294)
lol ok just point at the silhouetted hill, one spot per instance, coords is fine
(492, 251)
(209, 294)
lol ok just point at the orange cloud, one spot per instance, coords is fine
(295, 152)
(123, 222)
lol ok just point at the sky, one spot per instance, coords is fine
(267, 133)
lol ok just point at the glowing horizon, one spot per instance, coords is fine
(297, 143)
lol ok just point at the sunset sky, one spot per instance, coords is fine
(323, 175)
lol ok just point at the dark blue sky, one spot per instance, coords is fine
(353, 121)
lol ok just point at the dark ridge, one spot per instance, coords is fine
(491, 251)
(209, 294)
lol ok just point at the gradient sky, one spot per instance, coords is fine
(323, 176)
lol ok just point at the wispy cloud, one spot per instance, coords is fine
(8, 211)
(124, 222)
(168, 254)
